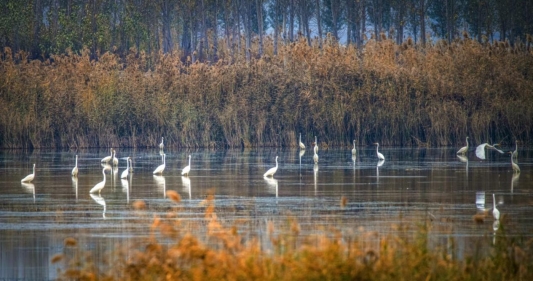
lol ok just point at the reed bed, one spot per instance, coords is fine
(173, 253)
(393, 94)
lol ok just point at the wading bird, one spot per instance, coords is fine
(495, 211)
(187, 169)
(160, 168)
(161, 145)
(354, 151)
(515, 152)
(516, 169)
(126, 172)
(271, 171)
(99, 186)
(75, 169)
(480, 149)
(107, 158)
(380, 156)
(463, 149)
(115, 159)
(301, 144)
(29, 177)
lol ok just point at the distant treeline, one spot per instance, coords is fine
(406, 94)
(194, 28)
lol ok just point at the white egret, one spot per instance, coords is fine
(115, 159)
(271, 171)
(107, 158)
(480, 149)
(125, 172)
(99, 186)
(354, 151)
(301, 144)
(463, 149)
(495, 211)
(160, 168)
(515, 152)
(315, 157)
(187, 169)
(29, 177)
(380, 156)
(75, 169)
(315, 148)
(516, 169)
(161, 145)
(131, 165)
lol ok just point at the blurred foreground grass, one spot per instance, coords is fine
(173, 254)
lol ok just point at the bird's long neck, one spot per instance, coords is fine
(164, 156)
(103, 172)
(493, 201)
(377, 146)
(189, 160)
(76, 160)
(127, 164)
(354, 144)
(34, 169)
(300, 137)
(276, 161)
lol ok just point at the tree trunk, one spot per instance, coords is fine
(166, 10)
(423, 22)
(259, 7)
(319, 22)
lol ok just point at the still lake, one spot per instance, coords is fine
(413, 185)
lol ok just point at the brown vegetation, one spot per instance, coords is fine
(173, 253)
(395, 94)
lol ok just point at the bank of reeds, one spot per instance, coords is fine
(172, 253)
(393, 94)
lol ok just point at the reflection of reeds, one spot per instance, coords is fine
(408, 95)
(225, 254)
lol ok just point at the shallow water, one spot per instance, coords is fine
(412, 185)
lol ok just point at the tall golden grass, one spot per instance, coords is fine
(172, 253)
(395, 94)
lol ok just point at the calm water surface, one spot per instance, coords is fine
(412, 185)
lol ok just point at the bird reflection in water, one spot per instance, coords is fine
(29, 188)
(126, 188)
(514, 181)
(186, 182)
(272, 184)
(160, 182)
(315, 175)
(480, 200)
(75, 185)
(100, 200)
(464, 159)
(380, 163)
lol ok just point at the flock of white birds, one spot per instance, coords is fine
(114, 160)
(480, 152)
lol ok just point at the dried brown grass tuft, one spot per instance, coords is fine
(388, 92)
